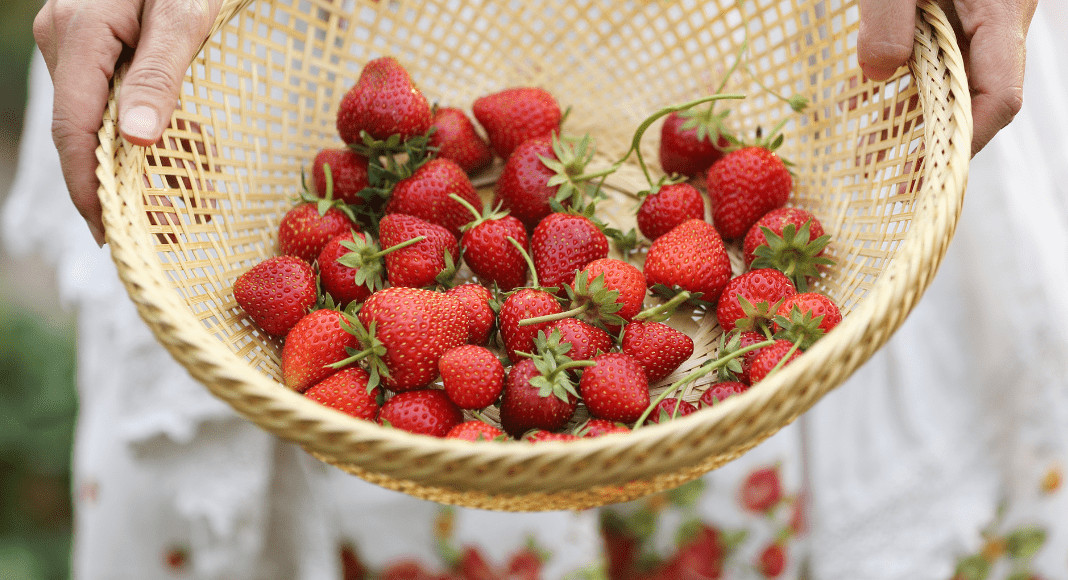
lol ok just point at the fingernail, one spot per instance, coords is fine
(98, 235)
(140, 122)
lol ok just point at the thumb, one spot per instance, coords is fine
(171, 33)
(884, 42)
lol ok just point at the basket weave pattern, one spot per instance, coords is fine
(883, 166)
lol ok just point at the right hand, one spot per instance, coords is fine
(82, 42)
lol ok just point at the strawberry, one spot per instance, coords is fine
(313, 344)
(456, 138)
(542, 436)
(669, 408)
(476, 431)
(277, 293)
(691, 257)
(307, 227)
(515, 115)
(564, 243)
(736, 341)
(788, 239)
(599, 427)
(422, 263)
(751, 299)
(471, 376)
(349, 268)
(406, 331)
(772, 560)
(717, 392)
(425, 194)
(347, 391)
(534, 404)
(769, 357)
(518, 306)
(657, 347)
(691, 141)
(761, 490)
(586, 340)
(701, 555)
(624, 278)
(615, 388)
(489, 254)
(806, 317)
(477, 301)
(383, 102)
(422, 411)
(668, 207)
(348, 174)
(743, 186)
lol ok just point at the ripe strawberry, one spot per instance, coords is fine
(599, 427)
(526, 405)
(615, 388)
(489, 254)
(585, 339)
(307, 227)
(518, 306)
(423, 411)
(806, 317)
(671, 205)
(788, 239)
(475, 430)
(412, 328)
(702, 555)
(348, 174)
(768, 357)
(657, 347)
(739, 340)
(348, 392)
(751, 299)
(691, 141)
(743, 186)
(563, 244)
(691, 257)
(624, 278)
(772, 560)
(762, 490)
(349, 268)
(471, 376)
(383, 102)
(515, 115)
(426, 195)
(457, 139)
(717, 392)
(422, 263)
(668, 409)
(477, 301)
(541, 436)
(277, 293)
(313, 344)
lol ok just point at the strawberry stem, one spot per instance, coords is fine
(782, 362)
(528, 260)
(663, 311)
(399, 246)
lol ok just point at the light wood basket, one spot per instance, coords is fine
(883, 165)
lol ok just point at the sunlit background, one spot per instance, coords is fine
(37, 401)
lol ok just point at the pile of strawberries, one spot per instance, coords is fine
(547, 328)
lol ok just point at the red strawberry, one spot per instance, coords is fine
(476, 431)
(615, 388)
(761, 490)
(414, 327)
(751, 299)
(346, 272)
(776, 220)
(383, 102)
(541, 436)
(480, 315)
(717, 392)
(691, 257)
(348, 392)
(772, 561)
(520, 305)
(314, 343)
(668, 409)
(471, 376)
(456, 138)
(702, 555)
(420, 264)
(806, 317)
(671, 205)
(739, 340)
(624, 278)
(348, 174)
(489, 254)
(599, 427)
(659, 348)
(743, 186)
(768, 357)
(563, 244)
(788, 239)
(277, 293)
(691, 141)
(544, 175)
(423, 411)
(525, 405)
(307, 227)
(585, 339)
(515, 115)
(426, 195)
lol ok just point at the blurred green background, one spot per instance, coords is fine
(37, 347)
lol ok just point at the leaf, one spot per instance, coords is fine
(973, 568)
(1023, 543)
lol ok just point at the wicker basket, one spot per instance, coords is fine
(883, 165)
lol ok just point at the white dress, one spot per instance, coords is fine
(906, 464)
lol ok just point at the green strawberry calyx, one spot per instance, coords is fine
(372, 350)
(800, 327)
(591, 301)
(792, 253)
(551, 360)
(365, 258)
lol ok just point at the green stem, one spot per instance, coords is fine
(554, 317)
(399, 246)
(474, 211)
(526, 258)
(354, 358)
(782, 362)
(667, 308)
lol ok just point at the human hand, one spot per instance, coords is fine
(991, 35)
(82, 42)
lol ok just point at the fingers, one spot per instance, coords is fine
(884, 42)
